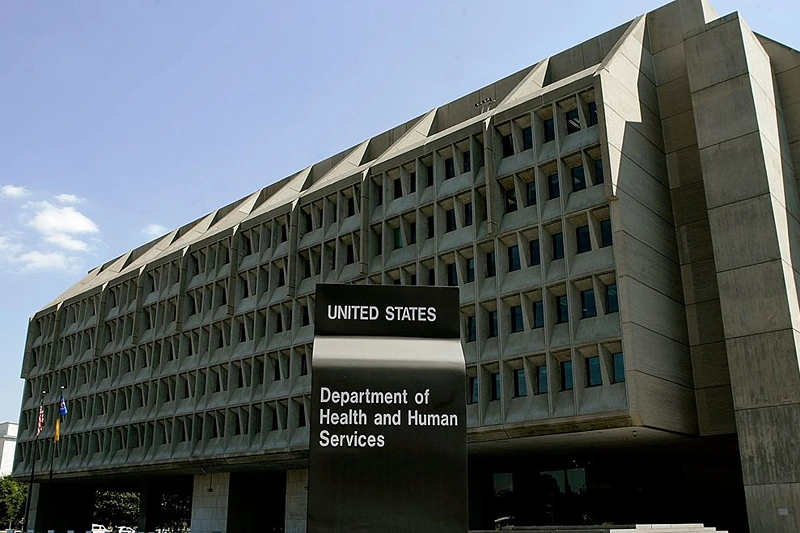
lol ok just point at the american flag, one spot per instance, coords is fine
(40, 423)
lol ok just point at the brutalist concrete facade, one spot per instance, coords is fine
(622, 220)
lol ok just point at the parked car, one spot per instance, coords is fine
(125, 529)
(99, 528)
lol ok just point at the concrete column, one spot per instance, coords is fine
(754, 214)
(296, 500)
(210, 503)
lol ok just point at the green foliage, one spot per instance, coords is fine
(116, 508)
(12, 502)
(176, 511)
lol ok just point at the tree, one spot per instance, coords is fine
(116, 508)
(12, 502)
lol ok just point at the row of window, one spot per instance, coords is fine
(589, 306)
(539, 380)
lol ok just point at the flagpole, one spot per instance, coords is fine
(56, 436)
(33, 465)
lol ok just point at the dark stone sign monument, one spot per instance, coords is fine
(388, 429)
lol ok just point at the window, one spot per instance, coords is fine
(527, 138)
(513, 258)
(412, 229)
(492, 323)
(558, 245)
(562, 309)
(549, 130)
(516, 319)
(303, 365)
(470, 269)
(490, 266)
(449, 168)
(538, 314)
(598, 171)
(578, 178)
(508, 145)
(510, 196)
(397, 238)
(573, 121)
(592, 113)
(468, 214)
(301, 415)
(553, 190)
(378, 194)
(305, 316)
(612, 302)
(541, 379)
(593, 377)
(605, 233)
(588, 307)
(351, 206)
(520, 387)
(430, 227)
(452, 275)
(306, 270)
(398, 188)
(432, 277)
(582, 238)
(472, 331)
(284, 236)
(536, 257)
(429, 173)
(472, 389)
(450, 220)
(308, 224)
(350, 254)
(467, 161)
(530, 189)
(618, 367)
(281, 278)
(495, 382)
(566, 375)
(412, 182)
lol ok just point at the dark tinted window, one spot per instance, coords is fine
(566, 375)
(605, 233)
(593, 376)
(578, 178)
(513, 258)
(536, 257)
(562, 309)
(573, 121)
(516, 319)
(558, 246)
(588, 306)
(582, 238)
(538, 314)
(508, 146)
(549, 130)
(553, 189)
(527, 138)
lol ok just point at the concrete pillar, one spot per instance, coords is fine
(61, 507)
(296, 500)
(754, 214)
(149, 508)
(210, 503)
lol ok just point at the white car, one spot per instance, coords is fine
(125, 529)
(99, 528)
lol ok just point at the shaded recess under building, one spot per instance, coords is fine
(622, 221)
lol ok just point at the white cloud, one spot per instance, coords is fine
(154, 230)
(60, 224)
(68, 198)
(14, 191)
(39, 261)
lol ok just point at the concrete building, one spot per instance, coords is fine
(622, 220)
(8, 441)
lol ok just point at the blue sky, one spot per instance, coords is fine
(123, 120)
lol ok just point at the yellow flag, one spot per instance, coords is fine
(58, 430)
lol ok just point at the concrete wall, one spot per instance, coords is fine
(753, 209)
(653, 318)
(296, 500)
